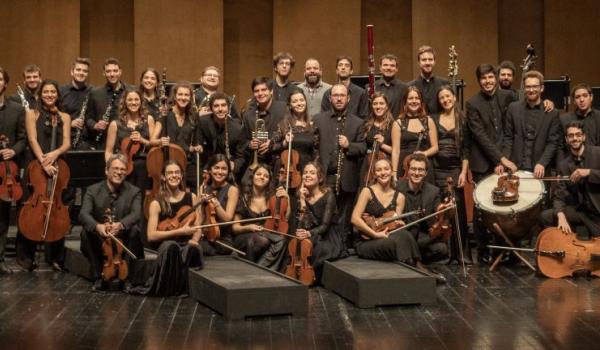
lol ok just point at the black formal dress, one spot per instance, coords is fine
(409, 143)
(370, 141)
(139, 176)
(212, 248)
(183, 136)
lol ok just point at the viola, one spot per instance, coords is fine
(299, 268)
(44, 217)
(10, 188)
(278, 206)
(210, 218)
(389, 220)
(130, 148)
(442, 226)
(290, 160)
(114, 264)
(561, 254)
(184, 216)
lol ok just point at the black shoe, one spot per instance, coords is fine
(126, 286)
(4, 270)
(99, 285)
(27, 264)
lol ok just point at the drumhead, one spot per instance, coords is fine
(530, 193)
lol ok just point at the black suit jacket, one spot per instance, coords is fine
(486, 151)
(429, 201)
(566, 192)
(358, 104)
(325, 124)
(547, 139)
(100, 97)
(207, 135)
(12, 125)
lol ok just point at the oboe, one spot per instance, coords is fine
(227, 150)
(77, 136)
(341, 122)
(106, 115)
(21, 94)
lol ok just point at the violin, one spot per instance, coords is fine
(408, 158)
(10, 188)
(442, 226)
(561, 254)
(299, 267)
(209, 210)
(291, 166)
(184, 216)
(44, 217)
(130, 149)
(390, 219)
(375, 155)
(278, 206)
(114, 265)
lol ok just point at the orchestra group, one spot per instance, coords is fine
(299, 175)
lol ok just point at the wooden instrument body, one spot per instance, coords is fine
(300, 268)
(130, 148)
(185, 215)
(389, 219)
(10, 188)
(114, 265)
(156, 159)
(294, 171)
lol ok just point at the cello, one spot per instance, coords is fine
(561, 254)
(10, 188)
(44, 217)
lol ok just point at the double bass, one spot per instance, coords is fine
(10, 188)
(44, 217)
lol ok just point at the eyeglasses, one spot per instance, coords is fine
(211, 75)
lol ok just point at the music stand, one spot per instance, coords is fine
(87, 167)
(558, 91)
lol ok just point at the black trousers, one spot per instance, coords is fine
(4, 224)
(585, 224)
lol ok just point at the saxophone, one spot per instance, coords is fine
(77, 136)
(341, 123)
(21, 94)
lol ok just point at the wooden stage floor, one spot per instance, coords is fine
(508, 309)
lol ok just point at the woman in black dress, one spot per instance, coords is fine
(378, 127)
(137, 125)
(178, 249)
(315, 218)
(149, 87)
(265, 248)
(452, 159)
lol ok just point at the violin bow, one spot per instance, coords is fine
(122, 245)
(423, 219)
(229, 222)
(452, 195)
(287, 176)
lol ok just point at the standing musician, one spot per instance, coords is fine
(134, 127)
(103, 103)
(210, 82)
(359, 101)
(531, 135)
(263, 247)
(413, 132)
(577, 202)
(32, 77)
(12, 125)
(224, 196)
(125, 202)
(392, 87)
(178, 247)
(486, 112)
(428, 83)
(39, 133)
(179, 127)
(315, 218)
(340, 156)
(313, 86)
(283, 63)
(381, 245)
(422, 195)
(74, 96)
(302, 134)
(452, 160)
(149, 89)
(378, 129)
(590, 117)
(218, 133)
(506, 76)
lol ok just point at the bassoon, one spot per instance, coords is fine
(371, 55)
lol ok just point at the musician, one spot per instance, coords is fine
(428, 83)
(32, 77)
(342, 171)
(506, 75)
(452, 160)
(420, 194)
(590, 117)
(486, 117)
(125, 202)
(313, 86)
(266, 108)
(224, 197)
(303, 137)
(179, 248)
(103, 103)
(210, 82)
(149, 88)
(12, 125)
(399, 245)
(392, 87)
(315, 217)
(358, 100)
(215, 137)
(74, 95)
(135, 124)
(413, 132)
(576, 203)
(378, 128)
(179, 127)
(262, 247)
(531, 135)
(39, 134)
(283, 63)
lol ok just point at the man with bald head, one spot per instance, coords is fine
(313, 86)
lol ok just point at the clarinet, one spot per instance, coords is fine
(341, 119)
(77, 137)
(21, 94)
(106, 115)
(371, 55)
(227, 151)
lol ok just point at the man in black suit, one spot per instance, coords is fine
(358, 104)
(428, 83)
(210, 82)
(393, 88)
(531, 135)
(125, 202)
(350, 142)
(32, 78)
(584, 112)
(12, 125)
(577, 202)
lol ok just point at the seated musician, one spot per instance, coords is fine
(577, 202)
(384, 244)
(223, 196)
(179, 245)
(420, 194)
(265, 248)
(315, 219)
(125, 203)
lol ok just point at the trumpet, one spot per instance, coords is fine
(262, 135)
